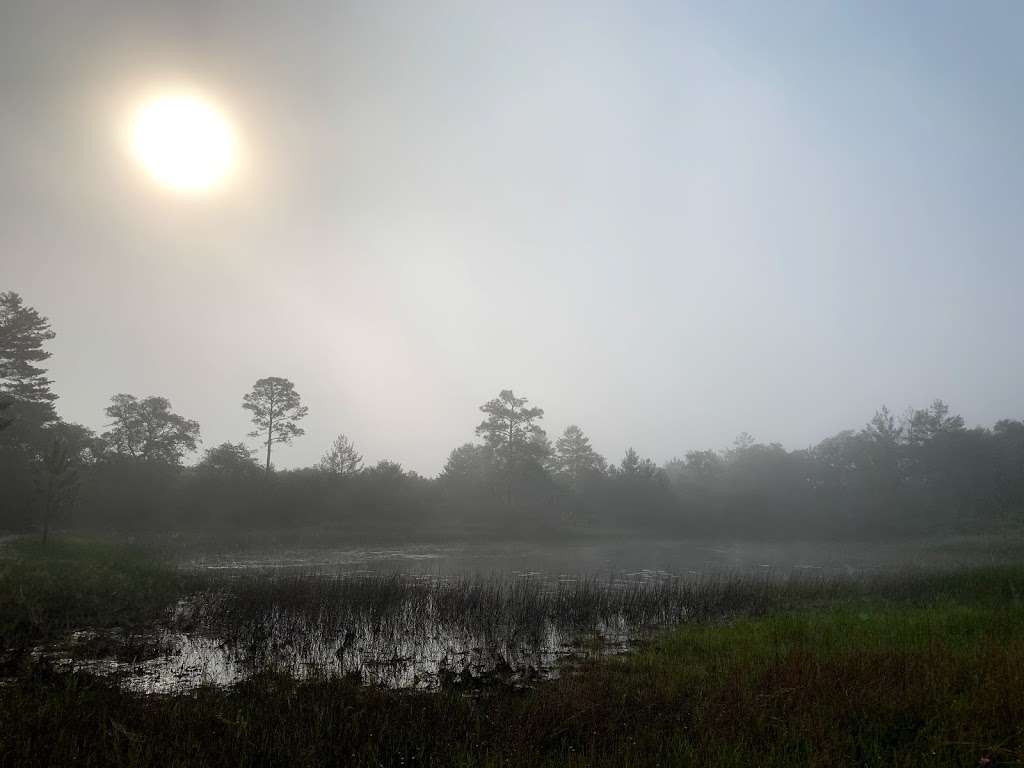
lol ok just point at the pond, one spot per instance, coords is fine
(617, 557)
(463, 615)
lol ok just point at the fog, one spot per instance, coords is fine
(667, 223)
(372, 373)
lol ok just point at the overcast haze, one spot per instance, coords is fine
(665, 222)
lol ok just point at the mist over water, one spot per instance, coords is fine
(475, 615)
(634, 558)
(406, 383)
(666, 223)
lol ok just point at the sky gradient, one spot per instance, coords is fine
(665, 222)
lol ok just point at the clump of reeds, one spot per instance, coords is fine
(922, 671)
(404, 630)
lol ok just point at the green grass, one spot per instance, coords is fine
(48, 590)
(860, 683)
(857, 685)
(924, 670)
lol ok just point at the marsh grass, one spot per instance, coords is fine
(98, 605)
(49, 590)
(403, 631)
(868, 682)
(911, 670)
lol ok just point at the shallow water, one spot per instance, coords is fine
(428, 663)
(322, 612)
(413, 643)
(654, 557)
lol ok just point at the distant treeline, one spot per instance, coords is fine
(922, 472)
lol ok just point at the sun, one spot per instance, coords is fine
(184, 142)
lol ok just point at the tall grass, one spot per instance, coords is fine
(401, 631)
(184, 629)
(870, 682)
(49, 590)
(912, 670)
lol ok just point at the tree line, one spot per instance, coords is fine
(919, 472)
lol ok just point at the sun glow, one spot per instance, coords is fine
(184, 142)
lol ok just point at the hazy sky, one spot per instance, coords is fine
(665, 222)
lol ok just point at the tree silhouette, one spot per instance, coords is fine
(342, 459)
(276, 407)
(575, 458)
(509, 426)
(148, 429)
(633, 466)
(511, 432)
(229, 459)
(22, 333)
(26, 402)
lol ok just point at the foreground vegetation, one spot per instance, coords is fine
(920, 670)
(47, 590)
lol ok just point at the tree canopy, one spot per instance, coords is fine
(342, 459)
(510, 430)
(23, 332)
(26, 400)
(923, 471)
(228, 459)
(276, 408)
(148, 429)
(574, 457)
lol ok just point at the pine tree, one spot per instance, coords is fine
(575, 458)
(275, 406)
(23, 331)
(511, 433)
(342, 458)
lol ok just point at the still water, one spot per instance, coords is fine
(656, 557)
(465, 615)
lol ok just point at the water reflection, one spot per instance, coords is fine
(660, 557)
(391, 631)
(415, 617)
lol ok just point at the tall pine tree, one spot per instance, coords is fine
(24, 388)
